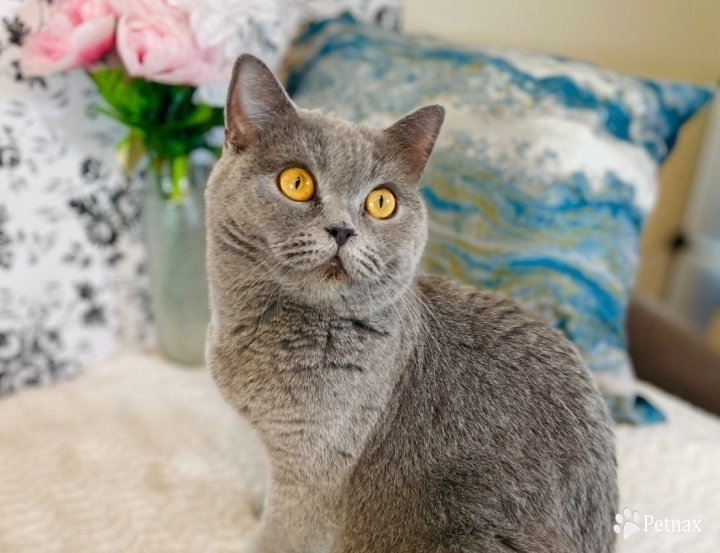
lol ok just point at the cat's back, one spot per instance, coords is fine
(523, 418)
(516, 449)
(486, 339)
(517, 385)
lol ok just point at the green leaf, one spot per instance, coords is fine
(132, 98)
(162, 117)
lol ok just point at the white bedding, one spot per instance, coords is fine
(137, 455)
(671, 471)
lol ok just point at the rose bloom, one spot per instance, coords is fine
(76, 33)
(155, 41)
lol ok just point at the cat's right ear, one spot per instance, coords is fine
(412, 139)
(255, 98)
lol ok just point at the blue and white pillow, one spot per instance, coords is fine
(541, 179)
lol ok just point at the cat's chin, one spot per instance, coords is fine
(342, 294)
(337, 285)
(334, 291)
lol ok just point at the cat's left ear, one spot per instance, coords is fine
(413, 137)
(255, 99)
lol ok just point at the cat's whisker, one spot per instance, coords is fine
(296, 253)
(419, 316)
(372, 258)
(354, 267)
(265, 272)
(370, 270)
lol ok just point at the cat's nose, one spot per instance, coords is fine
(340, 234)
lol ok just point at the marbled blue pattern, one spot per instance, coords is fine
(541, 179)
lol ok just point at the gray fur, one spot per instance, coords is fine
(400, 413)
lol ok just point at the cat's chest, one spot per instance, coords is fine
(302, 348)
(311, 383)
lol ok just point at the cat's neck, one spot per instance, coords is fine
(261, 302)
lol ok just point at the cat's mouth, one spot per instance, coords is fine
(334, 269)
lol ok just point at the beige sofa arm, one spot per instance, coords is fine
(672, 357)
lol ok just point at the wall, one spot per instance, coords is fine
(671, 39)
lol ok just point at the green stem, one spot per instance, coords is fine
(130, 150)
(156, 163)
(179, 177)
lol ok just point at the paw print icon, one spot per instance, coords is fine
(627, 523)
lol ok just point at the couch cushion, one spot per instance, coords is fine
(137, 455)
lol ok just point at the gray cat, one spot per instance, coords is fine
(400, 413)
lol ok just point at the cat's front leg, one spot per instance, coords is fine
(293, 522)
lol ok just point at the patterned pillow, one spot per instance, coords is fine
(541, 179)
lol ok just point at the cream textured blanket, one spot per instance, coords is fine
(137, 455)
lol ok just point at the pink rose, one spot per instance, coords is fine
(155, 41)
(76, 33)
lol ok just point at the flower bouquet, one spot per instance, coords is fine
(147, 64)
(162, 67)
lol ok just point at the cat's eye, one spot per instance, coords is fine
(296, 184)
(380, 203)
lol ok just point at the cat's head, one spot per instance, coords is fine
(327, 210)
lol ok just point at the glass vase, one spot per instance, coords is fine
(173, 225)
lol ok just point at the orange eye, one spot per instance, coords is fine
(380, 203)
(296, 184)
